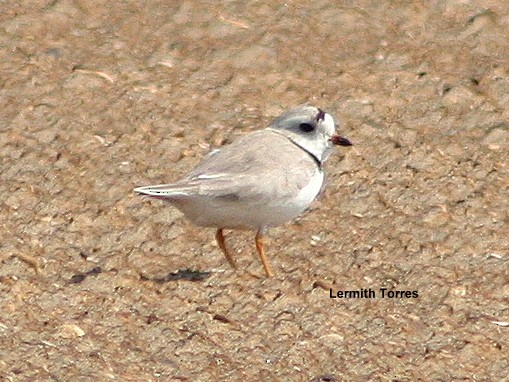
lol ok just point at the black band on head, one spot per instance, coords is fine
(320, 116)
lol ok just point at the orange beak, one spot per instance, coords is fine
(340, 141)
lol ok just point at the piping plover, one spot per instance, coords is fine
(262, 180)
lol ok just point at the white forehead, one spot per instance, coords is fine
(328, 124)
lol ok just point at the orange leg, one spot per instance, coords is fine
(222, 245)
(261, 251)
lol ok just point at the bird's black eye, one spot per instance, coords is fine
(306, 127)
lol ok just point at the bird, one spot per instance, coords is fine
(264, 179)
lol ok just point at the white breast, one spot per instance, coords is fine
(252, 214)
(310, 191)
(290, 209)
(278, 211)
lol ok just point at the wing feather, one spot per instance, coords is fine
(254, 167)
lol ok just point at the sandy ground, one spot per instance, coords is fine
(99, 97)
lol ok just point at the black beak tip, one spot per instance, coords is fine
(341, 141)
